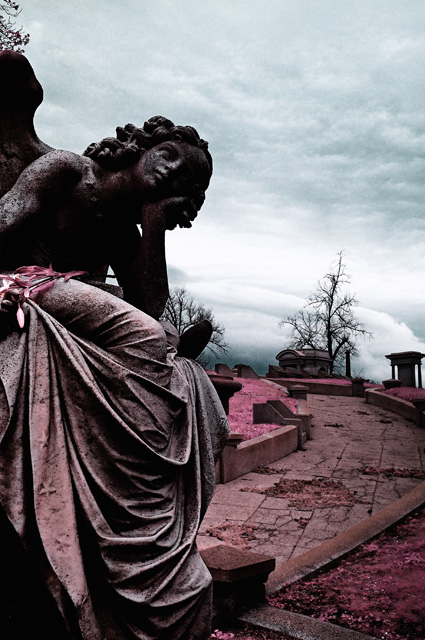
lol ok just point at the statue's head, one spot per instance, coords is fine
(167, 160)
(19, 88)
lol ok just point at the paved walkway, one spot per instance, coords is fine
(328, 491)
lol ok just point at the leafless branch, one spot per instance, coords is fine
(183, 312)
(327, 320)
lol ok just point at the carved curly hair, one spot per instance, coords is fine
(131, 142)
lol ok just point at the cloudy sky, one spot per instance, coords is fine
(314, 112)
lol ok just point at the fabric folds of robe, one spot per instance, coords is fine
(106, 476)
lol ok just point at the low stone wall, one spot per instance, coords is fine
(239, 458)
(327, 388)
(318, 388)
(401, 407)
(276, 412)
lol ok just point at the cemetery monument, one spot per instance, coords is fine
(108, 437)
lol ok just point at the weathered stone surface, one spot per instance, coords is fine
(108, 439)
(348, 436)
(298, 391)
(245, 371)
(20, 95)
(226, 388)
(247, 455)
(223, 370)
(228, 564)
(239, 578)
(391, 383)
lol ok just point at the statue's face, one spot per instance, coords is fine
(171, 169)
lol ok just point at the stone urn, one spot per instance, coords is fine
(226, 388)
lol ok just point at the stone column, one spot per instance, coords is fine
(357, 388)
(348, 364)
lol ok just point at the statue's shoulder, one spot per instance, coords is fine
(56, 163)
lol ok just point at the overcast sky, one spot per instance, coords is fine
(314, 112)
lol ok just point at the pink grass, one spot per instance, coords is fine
(240, 406)
(379, 590)
(406, 393)
(337, 381)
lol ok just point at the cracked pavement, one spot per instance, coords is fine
(254, 513)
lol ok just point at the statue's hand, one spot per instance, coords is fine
(179, 212)
(8, 309)
(9, 301)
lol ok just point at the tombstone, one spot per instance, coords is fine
(298, 391)
(275, 371)
(245, 371)
(391, 383)
(223, 370)
(406, 362)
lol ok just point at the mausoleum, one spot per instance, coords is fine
(311, 361)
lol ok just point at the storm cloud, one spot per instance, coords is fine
(314, 112)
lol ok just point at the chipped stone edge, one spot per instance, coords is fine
(297, 625)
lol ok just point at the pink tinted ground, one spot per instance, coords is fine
(379, 590)
(240, 406)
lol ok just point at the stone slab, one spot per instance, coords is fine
(230, 564)
(369, 437)
(320, 388)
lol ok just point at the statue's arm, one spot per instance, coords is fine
(139, 263)
(142, 270)
(17, 206)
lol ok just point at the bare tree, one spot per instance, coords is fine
(327, 321)
(183, 312)
(11, 38)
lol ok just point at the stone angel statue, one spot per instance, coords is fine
(108, 436)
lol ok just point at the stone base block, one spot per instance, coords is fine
(298, 391)
(239, 578)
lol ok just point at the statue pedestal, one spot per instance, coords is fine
(357, 387)
(226, 388)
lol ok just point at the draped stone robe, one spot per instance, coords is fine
(107, 465)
